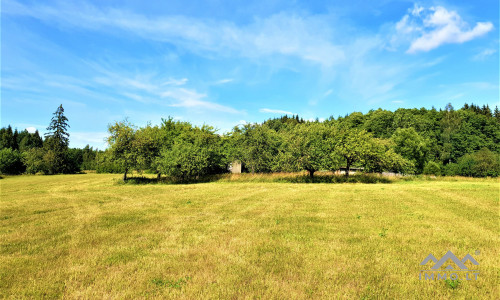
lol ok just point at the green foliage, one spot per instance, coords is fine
(57, 157)
(432, 168)
(254, 145)
(411, 145)
(106, 164)
(88, 158)
(283, 123)
(195, 153)
(452, 284)
(355, 145)
(147, 144)
(33, 160)
(121, 142)
(451, 169)
(52, 162)
(383, 233)
(379, 123)
(57, 133)
(479, 164)
(308, 147)
(7, 138)
(28, 140)
(394, 162)
(409, 141)
(11, 162)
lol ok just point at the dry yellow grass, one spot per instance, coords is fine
(86, 236)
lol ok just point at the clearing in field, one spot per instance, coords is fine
(86, 236)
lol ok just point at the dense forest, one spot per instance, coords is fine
(462, 142)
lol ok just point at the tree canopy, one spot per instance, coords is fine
(450, 141)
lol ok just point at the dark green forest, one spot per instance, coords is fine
(447, 141)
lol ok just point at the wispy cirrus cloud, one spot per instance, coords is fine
(275, 111)
(151, 88)
(484, 54)
(177, 82)
(293, 35)
(224, 81)
(192, 99)
(432, 27)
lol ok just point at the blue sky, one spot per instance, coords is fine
(224, 63)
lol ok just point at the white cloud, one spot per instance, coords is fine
(31, 129)
(182, 81)
(417, 9)
(191, 99)
(327, 93)
(430, 28)
(275, 111)
(484, 54)
(397, 101)
(147, 88)
(302, 36)
(480, 85)
(223, 81)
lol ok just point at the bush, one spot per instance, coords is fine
(193, 155)
(486, 163)
(479, 164)
(33, 160)
(187, 161)
(11, 162)
(105, 164)
(432, 168)
(451, 169)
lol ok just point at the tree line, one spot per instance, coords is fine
(25, 152)
(409, 141)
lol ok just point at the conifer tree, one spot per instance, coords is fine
(58, 130)
(56, 143)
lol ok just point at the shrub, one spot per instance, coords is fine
(479, 164)
(192, 156)
(451, 169)
(486, 163)
(432, 168)
(33, 160)
(11, 162)
(105, 163)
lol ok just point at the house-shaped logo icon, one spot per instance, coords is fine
(444, 260)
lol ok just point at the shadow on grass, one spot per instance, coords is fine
(280, 178)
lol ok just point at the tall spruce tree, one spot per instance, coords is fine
(57, 141)
(58, 129)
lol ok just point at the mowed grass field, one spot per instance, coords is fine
(87, 236)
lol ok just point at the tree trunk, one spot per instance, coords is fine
(311, 173)
(125, 175)
(347, 168)
(158, 176)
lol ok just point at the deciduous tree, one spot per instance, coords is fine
(121, 142)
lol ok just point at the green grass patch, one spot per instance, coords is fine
(174, 284)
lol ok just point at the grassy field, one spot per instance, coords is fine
(87, 236)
